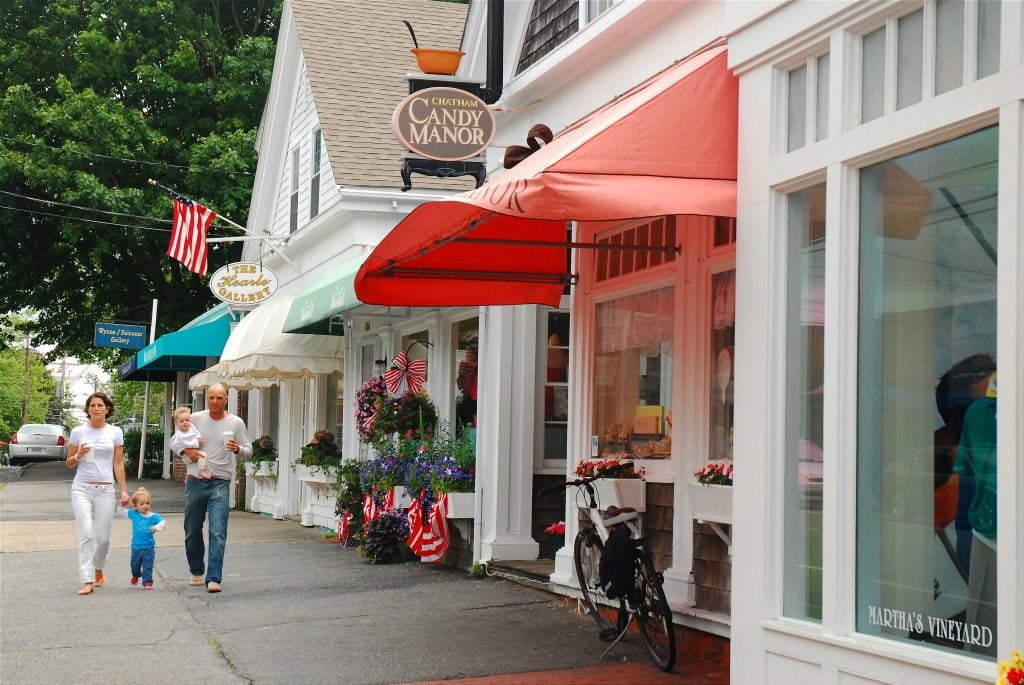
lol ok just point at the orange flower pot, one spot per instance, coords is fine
(438, 61)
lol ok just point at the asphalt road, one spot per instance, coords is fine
(294, 609)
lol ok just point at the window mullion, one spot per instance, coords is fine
(930, 52)
(890, 68)
(970, 41)
(811, 102)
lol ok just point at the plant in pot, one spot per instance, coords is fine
(619, 483)
(383, 540)
(264, 455)
(321, 452)
(349, 498)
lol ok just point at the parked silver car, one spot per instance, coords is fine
(39, 442)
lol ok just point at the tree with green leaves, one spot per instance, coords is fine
(95, 98)
(12, 390)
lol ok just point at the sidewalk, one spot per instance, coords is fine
(294, 610)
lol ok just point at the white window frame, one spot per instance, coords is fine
(893, 134)
(316, 164)
(293, 197)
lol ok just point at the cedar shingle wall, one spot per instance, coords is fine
(658, 523)
(712, 570)
(552, 22)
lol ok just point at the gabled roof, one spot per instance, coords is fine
(357, 53)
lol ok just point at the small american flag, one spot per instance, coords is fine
(188, 235)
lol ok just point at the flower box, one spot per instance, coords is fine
(711, 503)
(461, 505)
(261, 469)
(621, 492)
(402, 498)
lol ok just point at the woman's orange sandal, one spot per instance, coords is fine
(86, 589)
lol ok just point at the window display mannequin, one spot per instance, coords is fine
(976, 456)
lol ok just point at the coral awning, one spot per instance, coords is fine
(666, 147)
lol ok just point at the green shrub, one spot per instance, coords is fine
(153, 466)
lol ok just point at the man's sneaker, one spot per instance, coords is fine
(213, 587)
(135, 580)
(147, 586)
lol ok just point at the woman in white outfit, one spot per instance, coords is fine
(97, 452)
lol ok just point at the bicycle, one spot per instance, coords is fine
(643, 598)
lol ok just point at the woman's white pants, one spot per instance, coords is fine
(94, 513)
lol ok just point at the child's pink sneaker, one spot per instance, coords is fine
(135, 580)
(147, 586)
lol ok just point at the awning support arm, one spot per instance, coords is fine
(554, 279)
(667, 249)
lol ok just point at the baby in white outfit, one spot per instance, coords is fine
(187, 438)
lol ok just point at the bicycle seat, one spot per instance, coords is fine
(615, 515)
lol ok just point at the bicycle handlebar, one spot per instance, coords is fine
(584, 482)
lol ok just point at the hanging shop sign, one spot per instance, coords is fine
(120, 335)
(243, 283)
(445, 124)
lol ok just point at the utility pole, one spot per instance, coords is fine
(24, 399)
(145, 402)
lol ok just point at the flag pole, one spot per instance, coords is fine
(253, 234)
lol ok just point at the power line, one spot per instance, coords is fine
(87, 209)
(90, 221)
(127, 159)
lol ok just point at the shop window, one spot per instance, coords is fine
(368, 368)
(335, 407)
(989, 12)
(367, 362)
(556, 386)
(872, 76)
(805, 396)
(909, 44)
(949, 45)
(466, 341)
(272, 406)
(723, 341)
(658, 233)
(293, 210)
(314, 181)
(633, 376)
(926, 405)
(944, 32)
(724, 231)
(807, 115)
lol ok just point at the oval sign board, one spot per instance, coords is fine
(243, 283)
(446, 124)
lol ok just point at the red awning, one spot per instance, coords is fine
(666, 147)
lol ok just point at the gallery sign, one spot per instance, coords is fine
(243, 283)
(445, 124)
(120, 335)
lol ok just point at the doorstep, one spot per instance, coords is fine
(531, 570)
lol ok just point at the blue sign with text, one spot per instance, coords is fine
(122, 335)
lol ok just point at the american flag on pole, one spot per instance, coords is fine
(188, 235)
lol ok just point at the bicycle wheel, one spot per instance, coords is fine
(653, 616)
(587, 550)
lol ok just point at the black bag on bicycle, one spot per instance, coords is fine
(616, 568)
